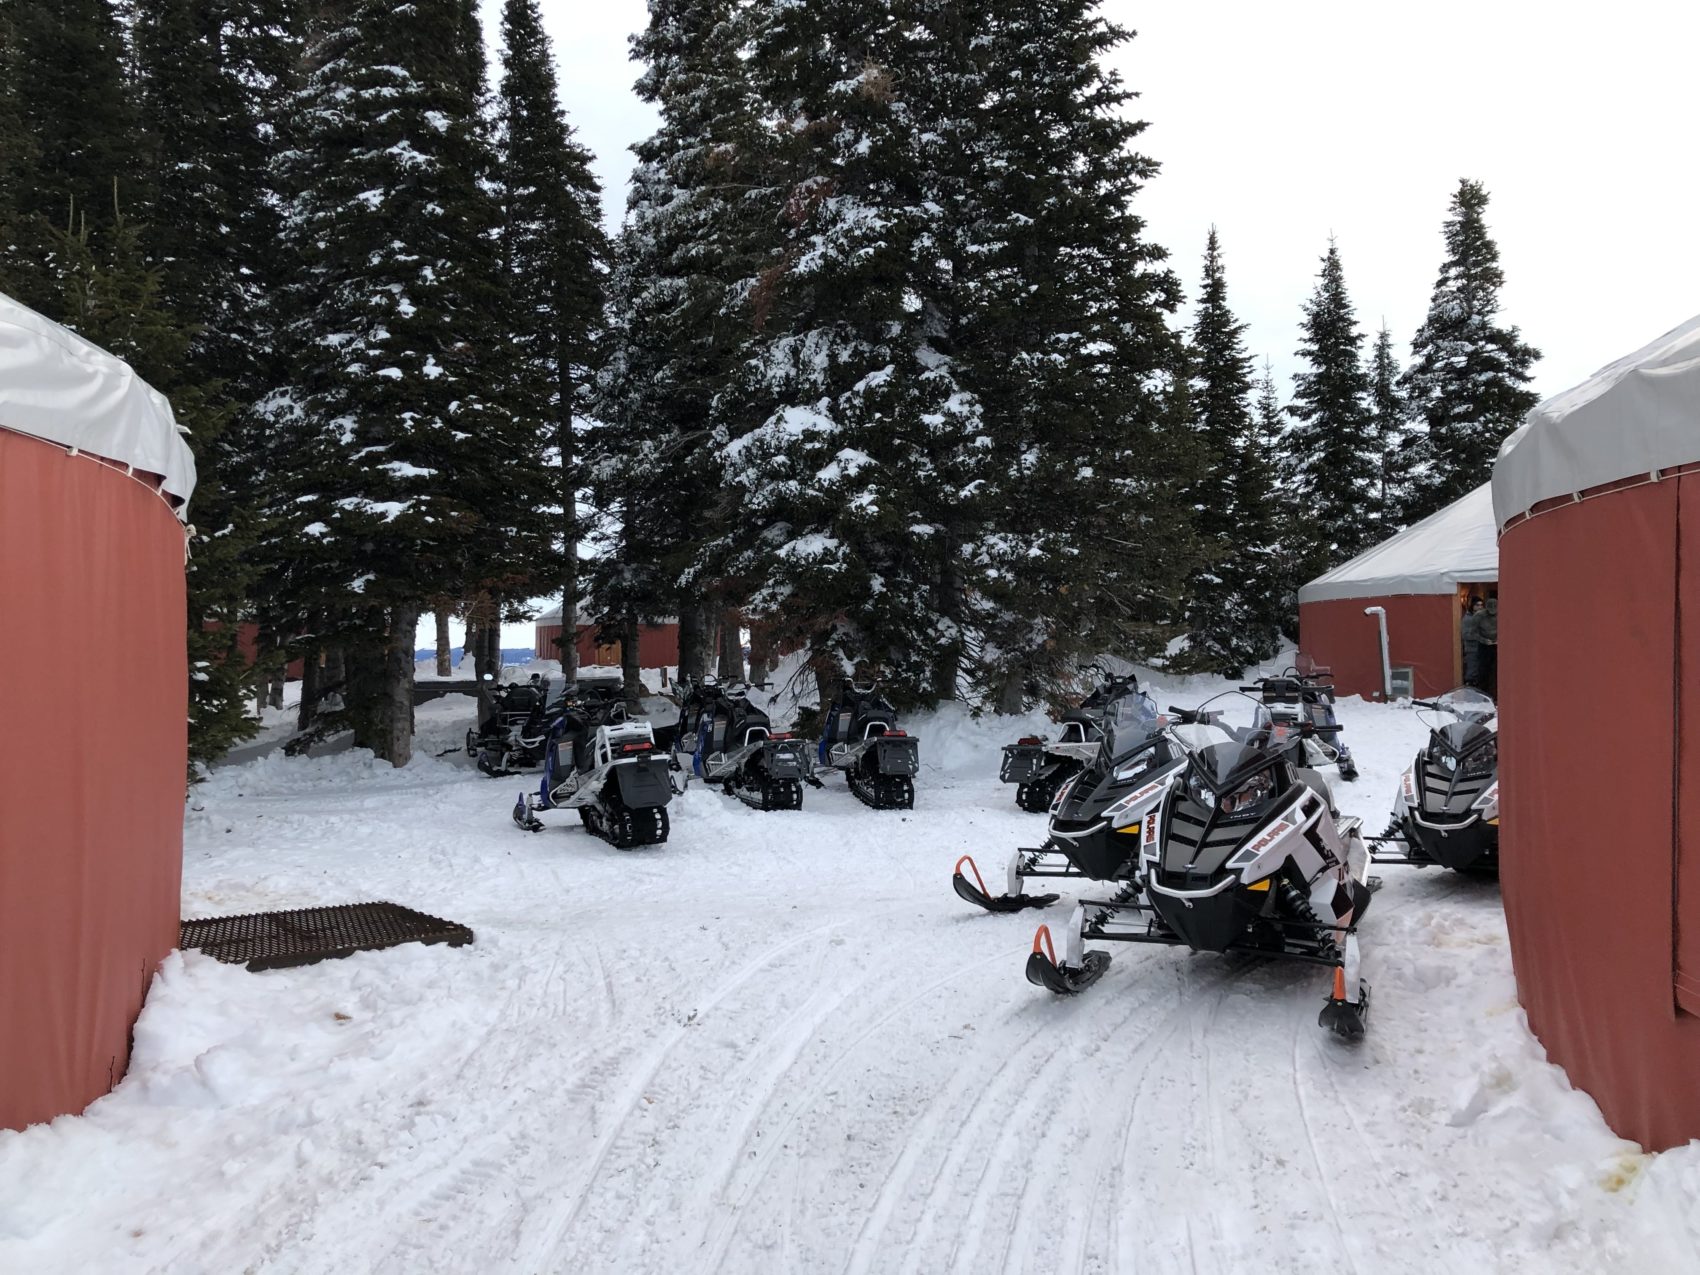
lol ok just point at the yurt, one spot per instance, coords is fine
(94, 483)
(1423, 579)
(1598, 498)
(658, 644)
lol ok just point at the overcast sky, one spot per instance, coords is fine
(1283, 124)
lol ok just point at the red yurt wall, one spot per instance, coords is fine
(91, 808)
(1600, 795)
(1422, 632)
(658, 645)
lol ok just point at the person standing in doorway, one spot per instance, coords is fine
(1487, 647)
(1468, 631)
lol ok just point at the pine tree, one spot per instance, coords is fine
(1231, 621)
(1469, 374)
(1278, 589)
(407, 470)
(1332, 441)
(839, 438)
(211, 76)
(556, 257)
(72, 108)
(1065, 497)
(1394, 444)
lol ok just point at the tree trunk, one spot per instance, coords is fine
(710, 639)
(445, 665)
(379, 691)
(761, 653)
(310, 681)
(1011, 695)
(334, 674)
(493, 649)
(274, 696)
(630, 666)
(692, 663)
(731, 648)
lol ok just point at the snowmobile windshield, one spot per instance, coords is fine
(1129, 721)
(1458, 718)
(1226, 737)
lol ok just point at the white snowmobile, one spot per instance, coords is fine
(1127, 776)
(1244, 854)
(1294, 698)
(605, 767)
(725, 739)
(1039, 766)
(861, 738)
(1446, 812)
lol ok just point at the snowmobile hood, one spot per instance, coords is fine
(1108, 780)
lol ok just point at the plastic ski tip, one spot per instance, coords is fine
(524, 819)
(1043, 970)
(979, 897)
(1348, 1020)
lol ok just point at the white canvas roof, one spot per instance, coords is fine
(1639, 415)
(56, 386)
(1444, 550)
(553, 616)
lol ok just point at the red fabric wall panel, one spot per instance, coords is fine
(658, 645)
(1587, 756)
(91, 810)
(1687, 910)
(1421, 633)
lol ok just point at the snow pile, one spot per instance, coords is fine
(780, 1042)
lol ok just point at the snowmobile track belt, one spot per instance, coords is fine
(277, 940)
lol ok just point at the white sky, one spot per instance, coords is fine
(1282, 124)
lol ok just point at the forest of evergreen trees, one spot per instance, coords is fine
(882, 362)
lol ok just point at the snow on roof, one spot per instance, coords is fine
(553, 616)
(1459, 543)
(56, 386)
(1635, 416)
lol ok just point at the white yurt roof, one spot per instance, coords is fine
(56, 386)
(1637, 416)
(1458, 544)
(553, 616)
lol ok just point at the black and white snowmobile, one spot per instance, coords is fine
(1245, 854)
(725, 739)
(1097, 817)
(1294, 698)
(1039, 766)
(513, 725)
(1447, 809)
(860, 737)
(605, 767)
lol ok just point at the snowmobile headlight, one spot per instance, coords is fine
(1200, 791)
(1249, 799)
(1483, 761)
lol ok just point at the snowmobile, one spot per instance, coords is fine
(1294, 698)
(1132, 768)
(1039, 766)
(1447, 809)
(861, 739)
(725, 739)
(512, 726)
(605, 767)
(1245, 854)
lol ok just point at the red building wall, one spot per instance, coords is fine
(1599, 733)
(658, 645)
(1422, 633)
(91, 809)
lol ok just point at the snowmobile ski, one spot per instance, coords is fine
(1044, 971)
(975, 891)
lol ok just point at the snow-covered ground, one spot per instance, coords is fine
(781, 1043)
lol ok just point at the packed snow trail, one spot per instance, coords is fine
(781, 1043)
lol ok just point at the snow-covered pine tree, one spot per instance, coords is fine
(73, 110)
(1279, 589)
(695, 217)
(1070, 477)
(839, 439)
(211, 76)
(1331, 441)
(407, 470)
(556, 258)
(1394, 442)
(1231, 620)
(1469, 373)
